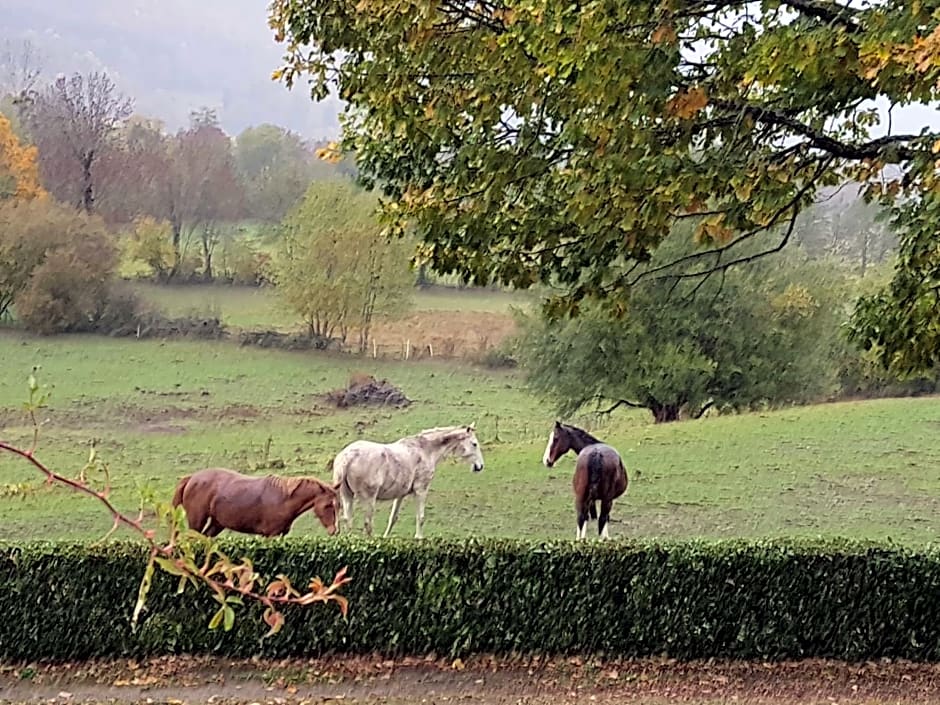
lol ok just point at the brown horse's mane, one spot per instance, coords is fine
(289, 485)
(581, 435)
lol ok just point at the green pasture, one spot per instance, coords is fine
(158, 410)
(260, 307)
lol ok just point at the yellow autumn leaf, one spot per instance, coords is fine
(19, 163)
(664, 34)
(685, 105)
(330, 154)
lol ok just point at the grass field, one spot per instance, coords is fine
(162, 409)
(453, 322)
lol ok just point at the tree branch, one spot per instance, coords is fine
(831, 12)
(855, 152)
(619, 403)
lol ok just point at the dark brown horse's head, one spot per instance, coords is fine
(564, 438)
(326, 507)
(559, 443)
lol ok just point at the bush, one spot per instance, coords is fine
(149, 243)
(55, 265)
(687, 600)
(65, 292)
(237, 262)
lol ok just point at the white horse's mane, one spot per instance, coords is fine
(438, 433)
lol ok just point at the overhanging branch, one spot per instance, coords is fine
(872, 149)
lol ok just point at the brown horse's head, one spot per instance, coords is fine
(326, 507)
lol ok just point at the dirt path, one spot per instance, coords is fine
(486, 681)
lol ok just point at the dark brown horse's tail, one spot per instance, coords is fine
(180, 488)
(595, 471)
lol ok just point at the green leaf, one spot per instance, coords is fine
(217, 618)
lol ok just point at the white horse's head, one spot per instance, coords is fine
(467, 447)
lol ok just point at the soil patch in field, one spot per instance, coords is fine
(480, 679)
(366, 390)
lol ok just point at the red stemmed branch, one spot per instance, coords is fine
(231, 583)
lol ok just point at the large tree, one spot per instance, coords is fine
(188, 180)
(768, 334)
(544, 140)
(74, 122)
(206, 190)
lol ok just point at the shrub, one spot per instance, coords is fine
(55, 265)
(149, 243)
(71, 285)
(237, 262)
(730, 599)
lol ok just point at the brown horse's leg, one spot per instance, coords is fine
(603, 522)
(212, 528)
(592, 509)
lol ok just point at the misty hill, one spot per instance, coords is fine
(173, 56)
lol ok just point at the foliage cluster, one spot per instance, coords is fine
(686, 599)
(546, 141)
(19, 168)
(55, 265)
(766, 334)
(336, 268)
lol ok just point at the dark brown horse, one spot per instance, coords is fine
(599, 474)
(216, 499)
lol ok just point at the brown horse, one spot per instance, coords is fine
(216, 499)
(599, 474)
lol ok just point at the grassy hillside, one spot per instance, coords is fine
(160, 410)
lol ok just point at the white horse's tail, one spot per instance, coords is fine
(339, 476)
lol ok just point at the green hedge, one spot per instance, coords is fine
(687, 600)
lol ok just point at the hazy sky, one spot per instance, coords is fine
(174, 56)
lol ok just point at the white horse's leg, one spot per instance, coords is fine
(346, 501)
(420, 499)
(368, 506)
(605, 532)
(393, 517)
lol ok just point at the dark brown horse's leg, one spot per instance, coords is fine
(592, 509)
(602, 523)
(582, 510)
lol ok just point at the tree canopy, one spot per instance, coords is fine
(766, 334)
(548, 141)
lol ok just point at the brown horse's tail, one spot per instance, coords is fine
(595, 471)
(180, 488)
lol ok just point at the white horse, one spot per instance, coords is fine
(372, 471)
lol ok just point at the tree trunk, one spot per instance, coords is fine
(664, 413)
(88, 192)
(423, 277)
(206, 256)
(866, 238)
(177, 253)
